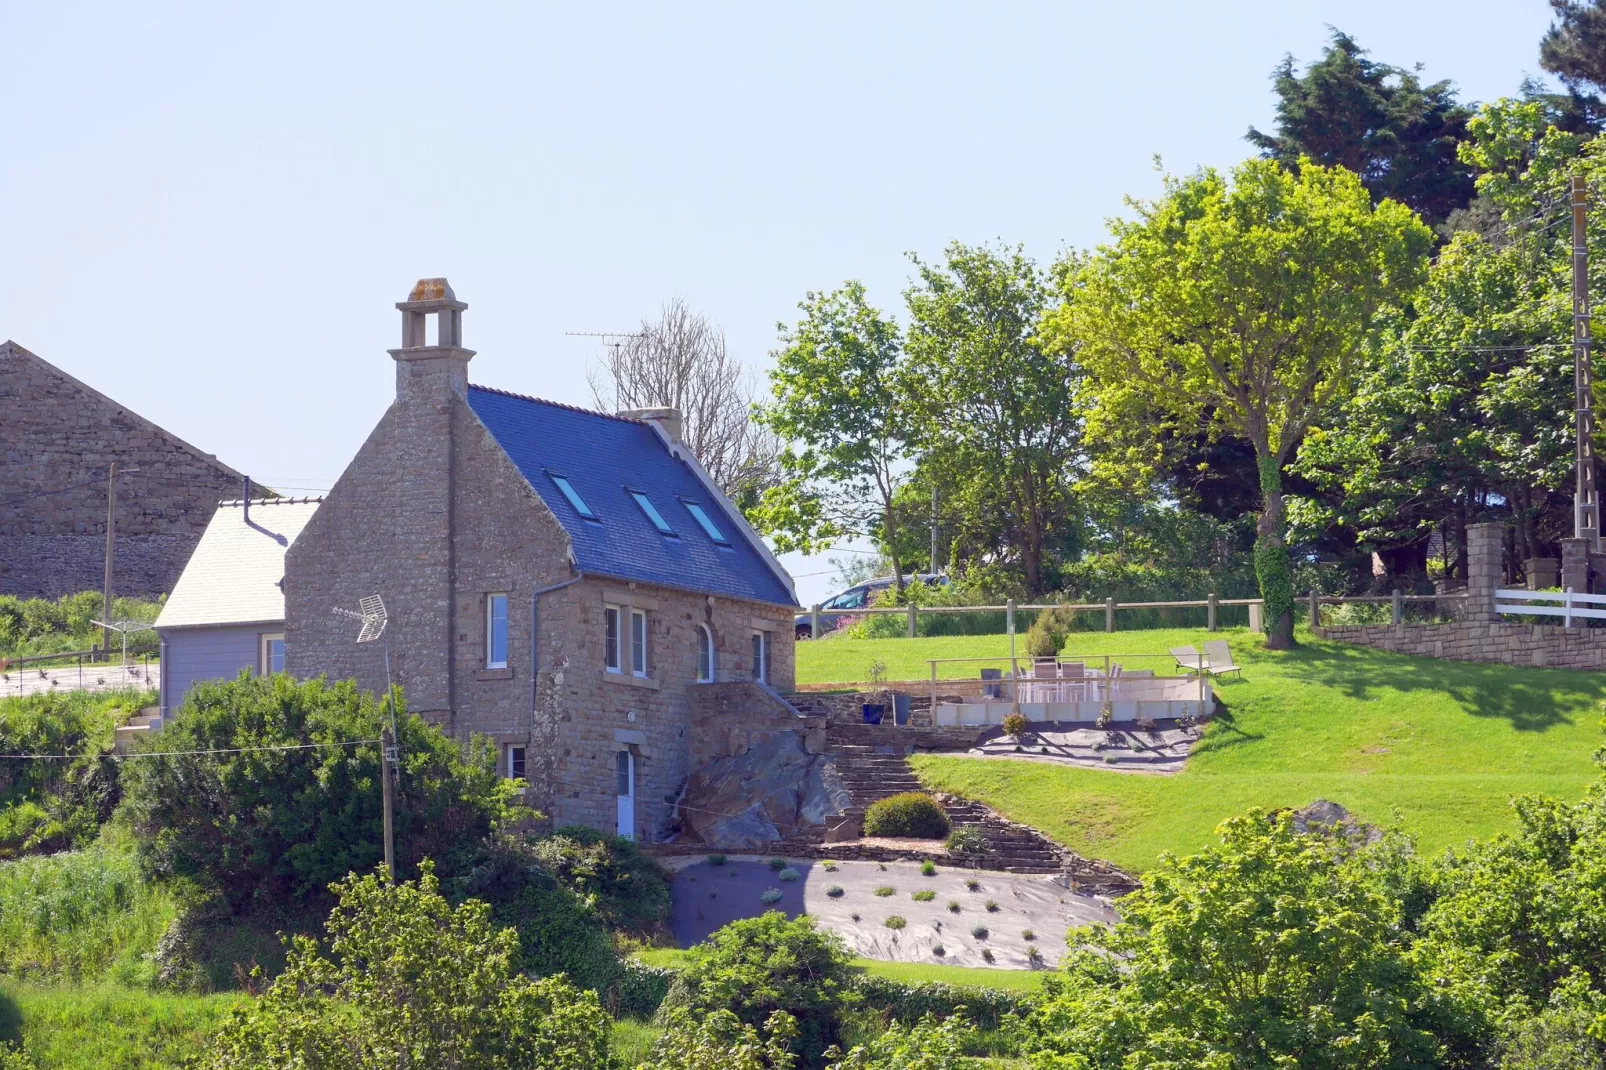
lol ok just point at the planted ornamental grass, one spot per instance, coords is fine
(1444, 744)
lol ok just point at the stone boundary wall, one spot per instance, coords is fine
(729, 717)
(906, 739)
(1528, 645)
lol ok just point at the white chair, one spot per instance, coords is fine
(1188, 659)
(1218, 659)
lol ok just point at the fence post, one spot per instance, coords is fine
(1109, 614)
(814, 621)
(1315, 609)
(1567, 610)
(1399, 607)
(911, 620)
(1210, 612)
(1014, 663)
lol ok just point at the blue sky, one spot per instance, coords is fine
(210, 209)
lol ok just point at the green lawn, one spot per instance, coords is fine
(1013, 980)
(109, 1027)
(1433, 747)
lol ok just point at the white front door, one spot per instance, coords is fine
(626, 770)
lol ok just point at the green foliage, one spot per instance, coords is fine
(759, 966)
(1046, 636)
(1267, 948)
(835, 891)
(929, 1044)
(1014, 725)
(1236, 304)
(885, 890)
(80, 916)
(270, 828)
(928, 868)
(770, 896)
(895, 921)
(980, 932)
(716, 859)
(1573, 47)
(912, 815)
(409, 980)
(925, 895)
(967, 839)
(722, 1041)
(50, 805)
(109, 1027)
(909, 1001)
(35, 626)
(789, 874)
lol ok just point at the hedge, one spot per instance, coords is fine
(912, 815)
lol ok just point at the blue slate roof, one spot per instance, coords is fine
(605, 458)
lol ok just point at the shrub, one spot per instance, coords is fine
(789, 874)
(885, 890)
(895, 922)
(835, 891)
(912, 815)
(967, 839)
(928, 868)
(770, 896)
(777, 864)
(369, 997)
(641, 988)
(722, 1041)
(953, 906)
(271, 829)
(973, 884)
(758, 966)
(829, 866)
(1027, 935)
(716, 860)
(987, 954)
(909, 1001)
(1014, 725)
(992, 906)
(979, 932)
(925, 895)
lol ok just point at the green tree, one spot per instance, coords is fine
(275, 792)
(411, 982)
(762, 965)
(1241, 303)
(1574, 47)
(929, 1044)
(1376, 120)
(722, 1041)
(1000, 413)
(837, 403)
(1269, 948)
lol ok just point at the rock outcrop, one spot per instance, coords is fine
(762, 795)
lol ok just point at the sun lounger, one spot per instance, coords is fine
(1188, 659)
(1218, 658)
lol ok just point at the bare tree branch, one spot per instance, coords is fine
(681, 361)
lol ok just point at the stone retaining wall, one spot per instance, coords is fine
(1531, 645)
(729, 717)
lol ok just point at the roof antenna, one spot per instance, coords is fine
(371, 611)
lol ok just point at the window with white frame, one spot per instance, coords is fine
(638, 642)
(705, 654)
(496, 631)
(761, 657)
(514, 769)
(272, 654)
(611, 617)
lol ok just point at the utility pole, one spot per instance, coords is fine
(1586, 502)
(111, 545)
(386, 749)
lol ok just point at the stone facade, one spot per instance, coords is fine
(1532, 645)
(57, 438)
(433, 516)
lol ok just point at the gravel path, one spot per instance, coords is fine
(706, 897)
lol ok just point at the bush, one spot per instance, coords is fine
(716, 859)
(909, 1001)
(885, 890)
(895, 922)
(641, 989)
(770, 896)
(925, 895)
(967, 839)
(35, 626)
(409, 979)
(777, 864)
(928, 868)
(1014, 725)
(789, 874)
(912, 815)
(835, 891)
(271, 829)
(980, 932)
(758, 966)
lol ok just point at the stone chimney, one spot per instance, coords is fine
(664, 418)
(425, 370)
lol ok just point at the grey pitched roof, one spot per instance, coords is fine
(233, 575)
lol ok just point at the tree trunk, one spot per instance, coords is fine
(1272, 566)
(889, 530)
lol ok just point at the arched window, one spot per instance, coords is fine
(705, 654)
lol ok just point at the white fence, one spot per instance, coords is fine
(1564, 604)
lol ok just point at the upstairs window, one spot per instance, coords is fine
(638, 642)
(496, 631)
(652, 512)
(610, 638)
(705, 654)
(704, 521)
(579, 503)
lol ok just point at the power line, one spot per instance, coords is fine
(186, 753)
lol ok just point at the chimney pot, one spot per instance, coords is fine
(664, 417)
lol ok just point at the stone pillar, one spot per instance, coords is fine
(1485, 547)
(1575, 565)
(1543, 573)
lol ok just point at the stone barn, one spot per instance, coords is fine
(58, 439)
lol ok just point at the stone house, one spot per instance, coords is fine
(58, 438)
(226, 612)
(569, 583)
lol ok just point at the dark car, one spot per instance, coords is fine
(839, 610)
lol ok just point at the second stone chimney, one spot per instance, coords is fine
(426, 368)
(664, 418)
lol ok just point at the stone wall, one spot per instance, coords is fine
(433, 516)
(1533, 645)
(730, 717)
(57, 438)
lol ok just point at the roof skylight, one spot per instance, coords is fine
(705, 522)
(652, 512)
(573, 495)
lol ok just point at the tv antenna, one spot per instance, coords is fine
(371, 612)
(618, 337)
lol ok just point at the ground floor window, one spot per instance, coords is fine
(515, 762)
(761, 657)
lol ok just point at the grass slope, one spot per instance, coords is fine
(1436, 748)
(109, 1027)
